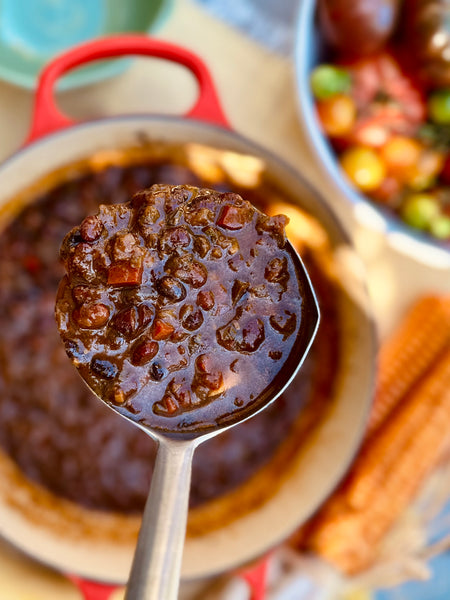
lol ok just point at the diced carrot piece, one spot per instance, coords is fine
(232, 217)
(167, 406)
(161, 330)
(170, 404)
(123, 273)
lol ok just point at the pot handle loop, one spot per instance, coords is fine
(48, 118)
(256, 578)
(91, 590)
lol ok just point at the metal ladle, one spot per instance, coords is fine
(155, 572)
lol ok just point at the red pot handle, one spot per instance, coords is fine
(256, 578)
(48, 118)
(91, 590)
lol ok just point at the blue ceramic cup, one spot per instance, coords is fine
(33, 31)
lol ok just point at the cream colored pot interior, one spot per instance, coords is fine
(75, 548)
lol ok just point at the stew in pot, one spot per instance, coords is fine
(52, 426)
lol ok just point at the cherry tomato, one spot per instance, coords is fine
(440, 227)
(385, 96)
(328, 80)
(389, 192)
(364, 168)
(337, 115)
(419, 210)
(371, 132)
(439, 107)
(401, 154)
(423, 174)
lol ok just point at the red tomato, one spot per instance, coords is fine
(358, 27)
(337, 115)
(387, 99)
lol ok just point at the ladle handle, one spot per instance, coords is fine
(155, 573)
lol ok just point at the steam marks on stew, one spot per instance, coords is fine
(179, 307)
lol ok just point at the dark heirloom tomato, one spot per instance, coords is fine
(427, 35)
(358, 27)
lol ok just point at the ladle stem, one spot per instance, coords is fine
(155, 573)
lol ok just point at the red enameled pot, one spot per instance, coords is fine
(54, 142)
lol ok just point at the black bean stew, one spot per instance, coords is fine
(56, 430)
(181, 306)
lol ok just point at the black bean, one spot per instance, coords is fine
(144, 352)
(146, 314)
(71, 240)
(91, 228)
(202, 245)
(171, 288)
(74, 349)
(205, 300)
(91, 316)
(157, 371)
(126, 321)
(188, 270)
(173, 238)
(104, 368)
(191, 319)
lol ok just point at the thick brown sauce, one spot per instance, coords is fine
(181, 307)
(58, 433)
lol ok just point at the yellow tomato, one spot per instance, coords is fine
(364, 167)
(423, 174)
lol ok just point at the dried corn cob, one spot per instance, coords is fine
(380, 455)
(347, 535)
(404, 358)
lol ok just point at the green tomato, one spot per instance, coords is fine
(419, 210)
(440, 227)
(328, 80)
(439, 107)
